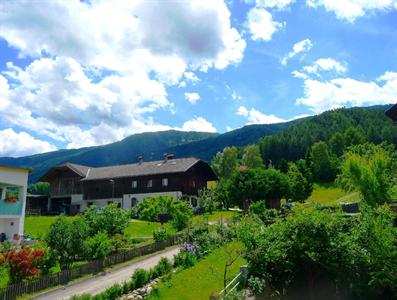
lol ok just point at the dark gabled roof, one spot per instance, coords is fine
(179, 165)
(79, 169)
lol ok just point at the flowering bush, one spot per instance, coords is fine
(23, 263)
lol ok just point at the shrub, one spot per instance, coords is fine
(98, 246)
(256, 285)
(161, 235)
(113, 292)
(163, 267)
(267, 216)
(185, 259)
(140, 278)
(110, 219)
(181, 215)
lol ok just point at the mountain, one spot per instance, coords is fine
(340, 128)
(150, 145)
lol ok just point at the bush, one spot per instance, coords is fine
(161, 235)
(110, 219)
(256, 285)
(185, 260)
(267, 216)
(113, 292)
(181, 215)
(163, 267)
(98, 246)
(140, 278)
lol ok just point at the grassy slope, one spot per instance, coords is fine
(215, 216)
(201, 280)
(329, 194)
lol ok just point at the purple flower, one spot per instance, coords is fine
(189, 248)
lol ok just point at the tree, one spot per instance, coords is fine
(337, 144)
(58, 240)
(110, 218)
(98, 246)
(369, 170)
(181, 214)
(225, 163)
(300, 189)
(323, 163)
(39, 188)
(257, 184)
(252, 157)
(354, 136)
(79, 232)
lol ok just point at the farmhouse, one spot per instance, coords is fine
(13, 186)
(75, 187)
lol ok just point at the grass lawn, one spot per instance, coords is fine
(38, 227)
(201, 280)
(330, 194)
(215, 216)
(138, 228)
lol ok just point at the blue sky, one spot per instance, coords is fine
(76, 74)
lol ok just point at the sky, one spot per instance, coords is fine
(83, 73)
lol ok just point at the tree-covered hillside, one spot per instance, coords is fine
(339, 128)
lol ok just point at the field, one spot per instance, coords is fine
(201, 280)
(330, 194)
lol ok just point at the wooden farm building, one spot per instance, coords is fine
(74, 187)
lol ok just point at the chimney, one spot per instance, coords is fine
(140, 159)
(168, 156)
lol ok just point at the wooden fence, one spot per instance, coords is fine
(13, 291)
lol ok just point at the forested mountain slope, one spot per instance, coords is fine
(339, 128)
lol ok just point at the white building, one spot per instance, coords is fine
(12, 209)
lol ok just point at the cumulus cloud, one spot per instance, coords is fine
(198, 124)
(300, 47)
(20, 144)
(256, 117)
(192, 97)
(324, 64)
(261, 25)
(350, 10)
(324, 95)
(101, 68)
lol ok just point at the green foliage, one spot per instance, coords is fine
(110, 218)
(79, 232)
(164, 266)
(98, 246)
(357, 255)
(39, 188)
(181, 214)
(295, 141)
(324, 164)
(58, 240)
(140, 278)
(5, 278)
(207, 200)
(178, 211)
(257, 184)
(185, 259)
(267, 216)
(369, 169)
(225, 163)
(300, 186)
(161, 234)
(252, 157)
(150, 208)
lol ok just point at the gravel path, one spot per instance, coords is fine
(101, 282)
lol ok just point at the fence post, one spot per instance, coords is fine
(244, 275)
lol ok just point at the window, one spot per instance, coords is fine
(165, 181)
(134, 184)
(90, 204)
(149, 183)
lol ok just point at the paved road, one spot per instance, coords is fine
(99, 283)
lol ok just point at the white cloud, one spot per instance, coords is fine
(278, 4)
(107, 63)
(300, 47)
(256, 117)
(235, 95)
(339, 92)
(300, 75)
(192, 97)
(326, 64)
(261, 25)
(21, 144)
(350, 10)
(198, 124)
